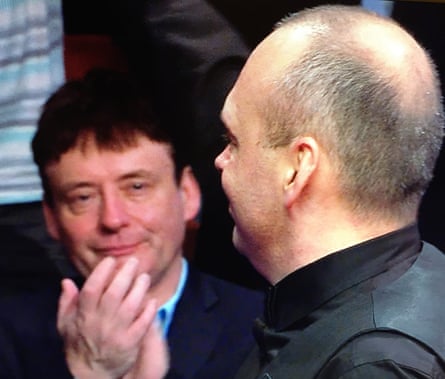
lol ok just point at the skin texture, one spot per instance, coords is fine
(121, 215)
(109, 328)
(123, 204)
(261, 211)
(282, 197)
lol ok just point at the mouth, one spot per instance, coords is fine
(117, 250)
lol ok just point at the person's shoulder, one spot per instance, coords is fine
(30, 345)
(401, 338)
(22, 305)
(28, 323)
(383, 354)
(227, 286)
(230, 295)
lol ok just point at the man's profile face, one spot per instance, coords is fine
(121, 204)
(249, 173)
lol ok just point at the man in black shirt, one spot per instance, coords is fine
(334, 127)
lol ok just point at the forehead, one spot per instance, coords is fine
(271, 58)
(116, 139)
(88, 143)
(87, 157)
(259, 76)
(277, 51)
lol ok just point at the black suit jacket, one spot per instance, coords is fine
(211, 331)
(209, 337)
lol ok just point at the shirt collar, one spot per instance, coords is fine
(309, 287)
(167, 310)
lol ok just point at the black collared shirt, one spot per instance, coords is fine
(368, 264)
(314, 291)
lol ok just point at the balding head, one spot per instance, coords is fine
(377, 41)
(369, 94)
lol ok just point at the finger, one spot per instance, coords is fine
(119, 287)
(67, 304)
(143, 321)
(135, 300)
(96, 284)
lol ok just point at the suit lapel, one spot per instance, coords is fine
(195, 327)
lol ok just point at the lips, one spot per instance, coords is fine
(118, 250)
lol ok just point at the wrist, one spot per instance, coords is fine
(80, 371)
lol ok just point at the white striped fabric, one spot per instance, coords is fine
(31, 68)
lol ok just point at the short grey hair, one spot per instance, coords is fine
(383, 148)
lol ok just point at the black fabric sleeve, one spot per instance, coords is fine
(386, 355)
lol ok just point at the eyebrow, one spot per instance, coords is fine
(225, 114)
(136, 174)
(223, 118)
(226, 122)
(72, 185)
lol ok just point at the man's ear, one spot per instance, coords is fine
(50, 220)
(191, 194)
(303, 160)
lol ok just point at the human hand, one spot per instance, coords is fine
(108, 327)
(152, 361)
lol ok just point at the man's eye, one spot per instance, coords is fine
(225, 138)
(80, 202)
(228, 138)
(138, 186)
(79, 198)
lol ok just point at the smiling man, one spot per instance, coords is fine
(112, 203)
(118, 195)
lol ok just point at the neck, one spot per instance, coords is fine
(323, 233)
(163, 287)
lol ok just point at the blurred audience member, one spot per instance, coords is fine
(31, 62)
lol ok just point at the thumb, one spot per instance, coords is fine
(155, 346)
(153, 362)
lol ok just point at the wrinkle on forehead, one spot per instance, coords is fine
(266, 64)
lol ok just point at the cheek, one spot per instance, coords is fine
(163, 212)
(75, 237)
(232, 178)
(76, 230)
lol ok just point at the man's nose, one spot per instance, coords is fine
(114, 214)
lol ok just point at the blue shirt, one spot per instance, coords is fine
(167, 310)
